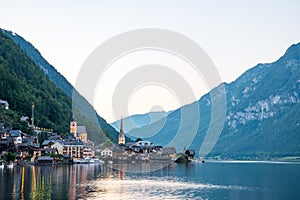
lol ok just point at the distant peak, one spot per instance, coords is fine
(292, 52)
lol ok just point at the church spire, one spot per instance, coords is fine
(121, 126)
(121, 139)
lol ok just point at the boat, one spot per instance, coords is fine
(10, 165)
(81, 161)
(1, 165)
(200, 160)
(96, 161)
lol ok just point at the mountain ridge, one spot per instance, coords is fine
(264, 97)
(82, 107)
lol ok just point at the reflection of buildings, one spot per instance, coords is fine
(32, 183)
(42, 187)
(121, 173)
(47, 182)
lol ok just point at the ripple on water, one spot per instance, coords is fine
(151, 188)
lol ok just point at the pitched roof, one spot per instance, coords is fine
(81, 129)
(15, 133)
(4, 102)
(54, 137)
(45, 158)
(73, 142)
(46, 142)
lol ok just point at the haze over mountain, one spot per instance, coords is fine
(84, 112)
(262, 118)
(139, 120)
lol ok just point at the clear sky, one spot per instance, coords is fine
(236, 35)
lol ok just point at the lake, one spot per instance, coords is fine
(209, 180)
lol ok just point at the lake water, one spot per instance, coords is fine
(211, 180)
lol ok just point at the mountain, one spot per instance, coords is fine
(22, 83)
(85, 112)
(262, 115)
(139, 120)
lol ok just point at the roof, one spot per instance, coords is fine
(49, 150)
(3, 142)
(73, 142)
(4, 102)
(129, 143)
(54, 137)
(46, 142)
(45, 158)
(81, 129)
(59, 141)
(34, 146)
(15, 133)
(106, 149)
(117, 150)
(144, 143)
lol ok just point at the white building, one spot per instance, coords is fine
(59, 146)
(16, 136)
(106, 152)
(144, 144)
(4, 104)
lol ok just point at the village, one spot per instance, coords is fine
(18, 148)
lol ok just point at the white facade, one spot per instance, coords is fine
(17, 140)
(75, 151)
(106, 152)
(59, 147)
(4, 104)
(144, 144)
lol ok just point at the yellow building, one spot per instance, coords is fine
(73, 127)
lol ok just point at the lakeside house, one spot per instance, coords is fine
(106, 152)
(45, 160)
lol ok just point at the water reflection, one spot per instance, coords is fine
(46, 182)
(41, 186)
(209, 180)
(69, 181)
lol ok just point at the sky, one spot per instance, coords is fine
(236, 35)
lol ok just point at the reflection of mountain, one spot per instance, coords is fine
(262, 117)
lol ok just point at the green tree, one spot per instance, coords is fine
(9, 157)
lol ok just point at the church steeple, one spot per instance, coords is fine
(73, 126)
(121, 139)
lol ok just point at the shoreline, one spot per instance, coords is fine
(252, 161)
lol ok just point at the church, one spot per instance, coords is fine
(121, 139)
(79, 132)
